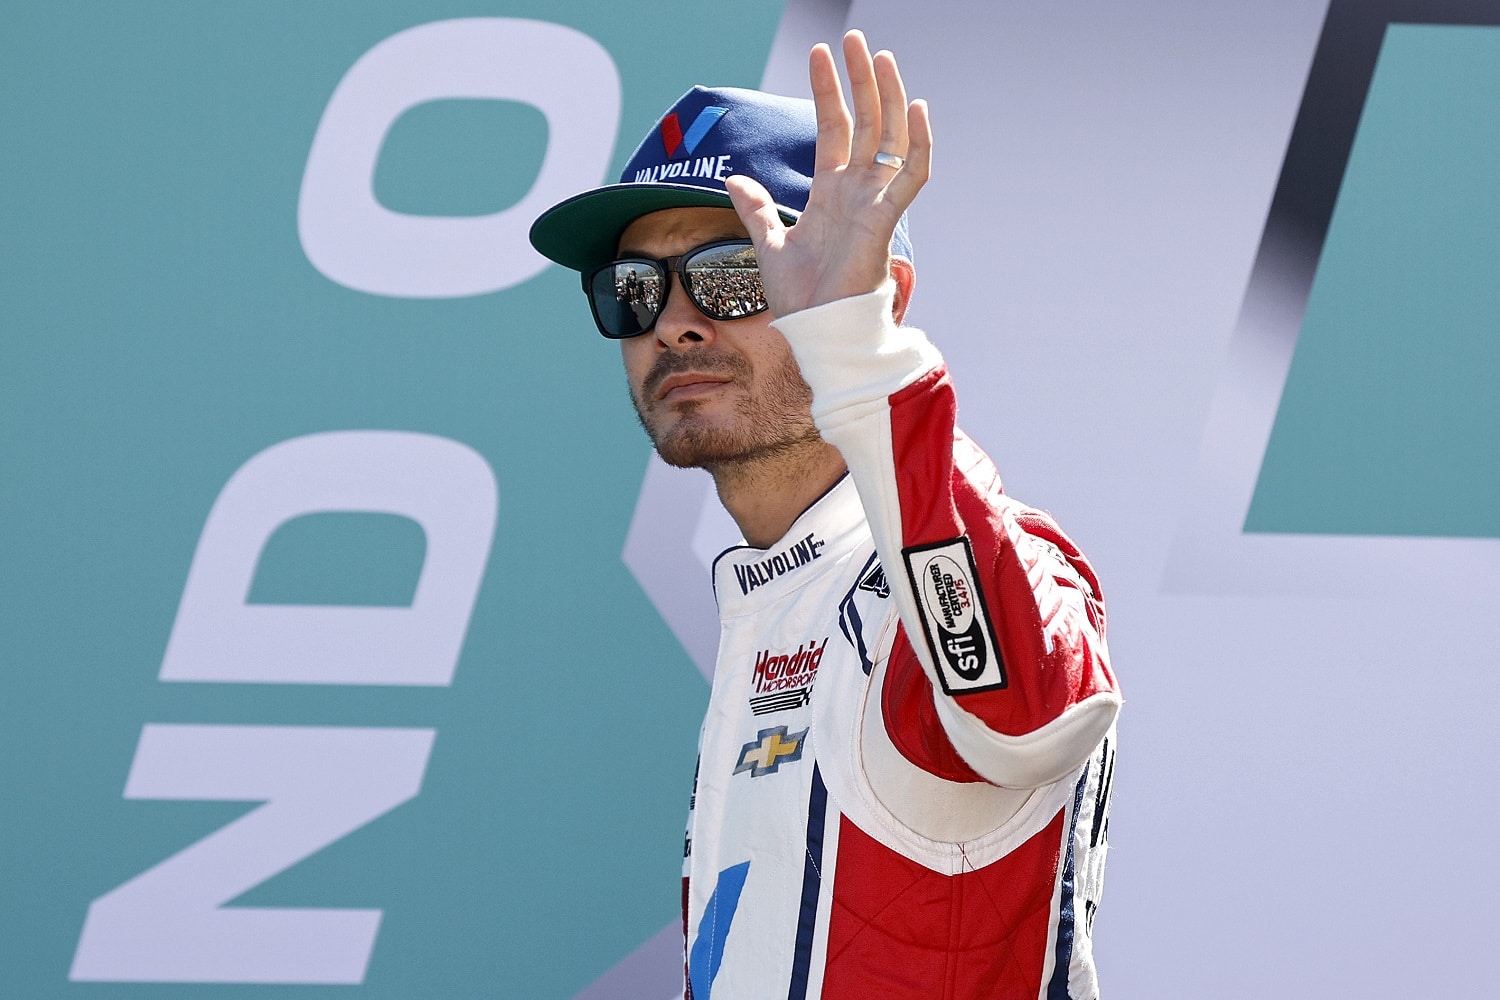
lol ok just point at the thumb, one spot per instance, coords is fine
(756, 208)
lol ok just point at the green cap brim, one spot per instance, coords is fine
(584, 231)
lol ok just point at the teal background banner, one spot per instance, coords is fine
(163, 325)
(353, 644)
(1397, 355)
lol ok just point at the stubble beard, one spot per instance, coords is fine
(773, 421)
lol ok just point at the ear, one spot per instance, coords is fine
(904, 274)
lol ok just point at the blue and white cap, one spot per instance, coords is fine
(708, 135)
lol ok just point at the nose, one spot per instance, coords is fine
(680, 326)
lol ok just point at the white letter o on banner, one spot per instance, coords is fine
(359, 243)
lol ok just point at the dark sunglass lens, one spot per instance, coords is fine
(627, 297)
(725, 282)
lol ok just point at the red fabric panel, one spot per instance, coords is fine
(899, 931)
(923, 417)
(911, 718)
(1024, 589)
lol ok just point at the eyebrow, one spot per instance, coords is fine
(725, 235)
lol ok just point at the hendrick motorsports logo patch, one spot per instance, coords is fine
(785, 681)
(954, 616)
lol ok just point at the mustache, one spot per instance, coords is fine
(707, 360)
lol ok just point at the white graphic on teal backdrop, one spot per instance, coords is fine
(1349, 448)
(357, 241)
(169, 924)
(1389, 423)
(164, 328)
(221, 636)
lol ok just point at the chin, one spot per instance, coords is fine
(708, 434)
(695, 445)
(701, 447)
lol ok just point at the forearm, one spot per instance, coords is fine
(1001, 610)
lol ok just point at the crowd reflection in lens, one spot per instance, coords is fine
(634, 288)
(721, 292)
(726, 293)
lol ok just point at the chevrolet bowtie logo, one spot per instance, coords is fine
(770, 748)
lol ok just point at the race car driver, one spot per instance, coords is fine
(904, 771)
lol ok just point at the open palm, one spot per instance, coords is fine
(840, 245)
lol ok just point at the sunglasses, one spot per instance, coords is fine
(721, 278)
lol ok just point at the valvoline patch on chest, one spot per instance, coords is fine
(757, 572)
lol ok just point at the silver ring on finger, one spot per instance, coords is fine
(890, 160)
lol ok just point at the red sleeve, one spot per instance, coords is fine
(1040, 595)
(1000, 670)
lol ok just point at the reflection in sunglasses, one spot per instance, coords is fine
(721, 279)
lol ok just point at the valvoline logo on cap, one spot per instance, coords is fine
(680, 146)
(674, 139)
(707, 136)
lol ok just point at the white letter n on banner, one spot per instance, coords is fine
(169, 923)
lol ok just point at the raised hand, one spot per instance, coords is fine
(868, 169)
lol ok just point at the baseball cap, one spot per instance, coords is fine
(709, 134)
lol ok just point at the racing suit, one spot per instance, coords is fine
(904, 770)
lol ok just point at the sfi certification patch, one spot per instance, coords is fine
(954, 616)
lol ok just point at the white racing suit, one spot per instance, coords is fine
(904, 771)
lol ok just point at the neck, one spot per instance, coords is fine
(765, 496)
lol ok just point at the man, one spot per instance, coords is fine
(904, 771)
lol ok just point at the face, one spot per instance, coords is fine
(711, 392)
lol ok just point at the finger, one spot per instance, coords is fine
(893, 129)
(756, 209)
(903, 188)
(831, 112)
(866, 96)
